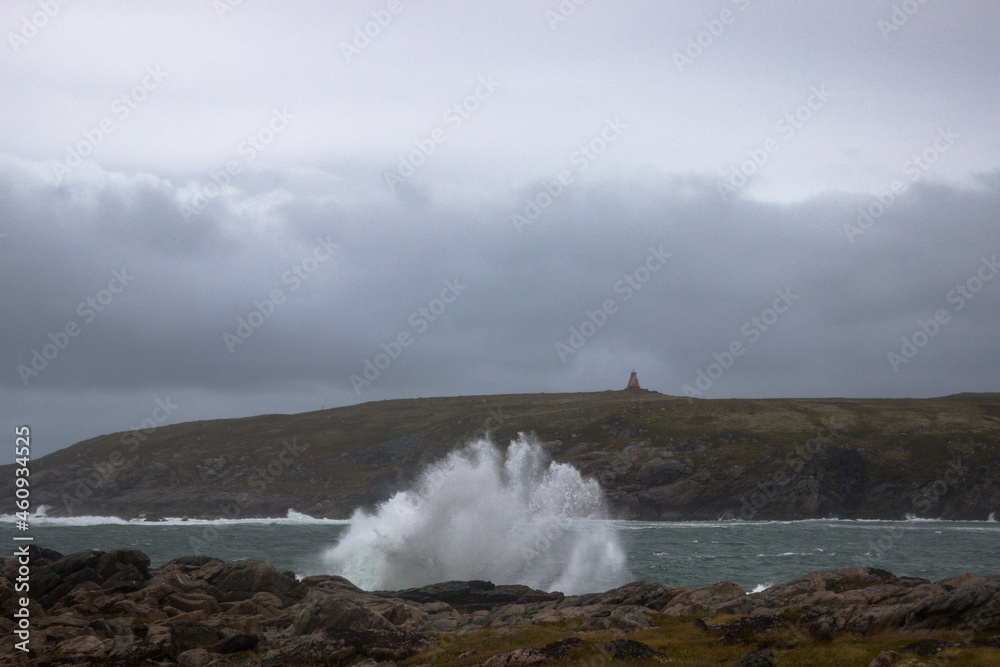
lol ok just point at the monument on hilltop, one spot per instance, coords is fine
(633, 381)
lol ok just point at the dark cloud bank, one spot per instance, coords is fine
(274, 297)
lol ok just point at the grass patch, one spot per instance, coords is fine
(682, 642)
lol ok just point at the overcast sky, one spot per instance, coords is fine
(214, 211)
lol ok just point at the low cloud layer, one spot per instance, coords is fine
(281, 300)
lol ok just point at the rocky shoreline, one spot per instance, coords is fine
(111, 608)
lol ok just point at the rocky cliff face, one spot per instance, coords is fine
(657, 457)
(820, 479)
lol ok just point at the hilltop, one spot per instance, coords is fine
(657, 456)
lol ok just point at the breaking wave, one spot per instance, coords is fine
(510, 517)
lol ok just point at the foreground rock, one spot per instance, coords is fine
(110, 608)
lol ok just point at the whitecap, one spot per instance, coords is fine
(507, 516)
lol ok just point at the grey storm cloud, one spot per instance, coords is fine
(275, 214)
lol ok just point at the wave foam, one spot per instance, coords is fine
(482, 513)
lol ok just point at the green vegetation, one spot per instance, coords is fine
(682, 642)
(359, 454)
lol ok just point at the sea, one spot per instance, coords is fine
(751, 554)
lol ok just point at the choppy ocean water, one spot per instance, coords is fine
(750, 554)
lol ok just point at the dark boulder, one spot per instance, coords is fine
(187, 635)
(67, 565)
(762, 658)
(43, 580)
(973, 603)
(241, 581)
(470, 596)
(928, 648)
(557, 650)
(188, 562)
(326, 612)
(629, 649)
(42, 556)
(238, 643)
(638, 593)
(69, 582)
(743, 630)
(123, 564)
(306, 650)
(531, 656)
